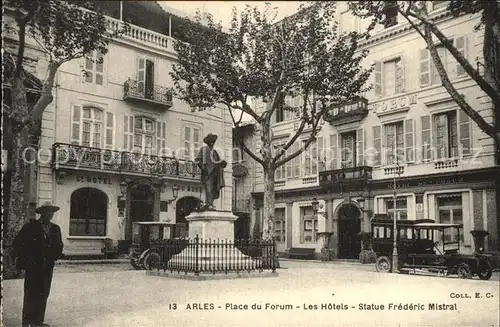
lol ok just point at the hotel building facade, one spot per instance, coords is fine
(116, 146)
(445, 168)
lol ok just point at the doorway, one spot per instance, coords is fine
(183, 208)
(142, 200)
(348, 230)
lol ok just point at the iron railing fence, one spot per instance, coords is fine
(201, 256)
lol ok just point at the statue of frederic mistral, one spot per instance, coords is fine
(212, 171)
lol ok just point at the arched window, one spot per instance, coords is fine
(88, 214)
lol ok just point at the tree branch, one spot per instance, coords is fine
(445, 81)
(311, 138)
(46, 95)
(247, 109)
(20, 49)
(250, 153)
(299, 130)
(473, 73)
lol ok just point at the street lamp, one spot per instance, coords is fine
(175, 193)
(361, 203)
(395, 216)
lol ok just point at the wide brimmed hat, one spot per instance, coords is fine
(47, 207)
(210, 138)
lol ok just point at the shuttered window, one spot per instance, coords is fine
(389, 77)
(425, 122)
(191, 140)
(409, 140)
(334, 151)
(94, 68)
(377, 144)
(428, 71)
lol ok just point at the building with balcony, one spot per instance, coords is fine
(116, 145)
(406, 136)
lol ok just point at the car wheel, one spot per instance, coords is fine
(383, 264)
(151, 261)
(135, 265)
(463, 271)
(484, 269)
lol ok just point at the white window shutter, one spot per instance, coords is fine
(160, 138)
(297, 160)
(400, 76)
(424, 68)
(110, 131)
(321, 154)
(334, 149)
(464, 133)
(76, 126)
(409, 131)
(141, 74)
(426, 138)
(378, 78)
(360, 144)
(377, 145)
(128, 132)
(461, 45)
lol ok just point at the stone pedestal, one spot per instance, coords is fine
(215, 247)
(212, 225)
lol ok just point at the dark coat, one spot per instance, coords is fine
(33, 249)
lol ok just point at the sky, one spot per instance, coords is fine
(221, 10)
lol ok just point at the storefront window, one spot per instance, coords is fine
(450, 212)
(401, 208)
(279, 227)
(309, 225)
(88, 212)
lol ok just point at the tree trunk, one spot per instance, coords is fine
(268, 203)
(19, 193)
(269, 169)
(491, 49)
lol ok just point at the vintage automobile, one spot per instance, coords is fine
(145, 235)
(426, 245)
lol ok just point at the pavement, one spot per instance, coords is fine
(303, 294)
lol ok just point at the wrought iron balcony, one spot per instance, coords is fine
(76, 157)
(349, 112)
(346, 175)
(141, 92)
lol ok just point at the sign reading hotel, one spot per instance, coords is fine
(394, 104)
(94, 180)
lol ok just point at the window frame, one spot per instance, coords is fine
(313, 229)
(92, 121)
(280, 220)
(389, 152)
(76, 196)
(399, 209)
(190, 152)
(95, 59)
(144, 134)
(450, 208)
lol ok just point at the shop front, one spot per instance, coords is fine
(466, 197)
(89, 213)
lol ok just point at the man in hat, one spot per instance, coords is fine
(37, 246)
(212, 170)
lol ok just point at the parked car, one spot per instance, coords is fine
(144, 252)
(425, 244)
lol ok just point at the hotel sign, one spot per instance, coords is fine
(395, 104)
(94, 180)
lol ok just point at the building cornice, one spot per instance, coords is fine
(403, 29)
